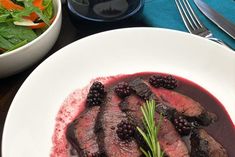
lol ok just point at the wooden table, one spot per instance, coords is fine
(69, 33)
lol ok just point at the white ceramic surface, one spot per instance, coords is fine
(25, 56)
(30, 122)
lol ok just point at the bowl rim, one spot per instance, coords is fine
(139, 7)
(59, 10)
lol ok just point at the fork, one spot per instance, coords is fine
(192, 22)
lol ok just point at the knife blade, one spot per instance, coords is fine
(215, 17)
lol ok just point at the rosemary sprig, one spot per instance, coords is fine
(151, 130)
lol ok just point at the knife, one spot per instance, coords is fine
(215, 17)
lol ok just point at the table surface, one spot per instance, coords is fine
(69, 33)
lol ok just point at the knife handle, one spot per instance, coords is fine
(219, 42)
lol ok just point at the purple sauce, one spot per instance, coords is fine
(223, 130)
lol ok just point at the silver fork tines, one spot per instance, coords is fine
(193, 23)
(191, 20)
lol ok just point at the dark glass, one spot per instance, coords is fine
(104, 10)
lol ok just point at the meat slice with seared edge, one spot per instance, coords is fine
(81, 133)
(170, 140)
(185, 105)
(203, 145)
(192, 109)
(109, 117)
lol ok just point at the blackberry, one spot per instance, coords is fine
(123, 89)
(156, 81)
(96, 94)
(183, 126)
(125, 130)
(97, 86)
(170, 82)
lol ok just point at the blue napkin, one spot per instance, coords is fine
(164, 14)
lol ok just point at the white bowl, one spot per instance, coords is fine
(21, 58)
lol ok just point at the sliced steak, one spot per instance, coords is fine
(110, 116)
(170, 102)
(180, 102)
(184, 105)
(142, 90)
(203, 145)
(169, 139)
(81, 133)
(131, 106)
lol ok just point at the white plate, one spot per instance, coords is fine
(31, 118)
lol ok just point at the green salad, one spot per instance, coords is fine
(21, 21)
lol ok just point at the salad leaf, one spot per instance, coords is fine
(13, 15)
(18, 45)
(17, 15)
(12, 35)
(2, 10)
(9, 30)
(5, 44)
(48, 11)
(29, 5)
(4, 17)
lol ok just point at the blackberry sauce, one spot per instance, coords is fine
(222, 131)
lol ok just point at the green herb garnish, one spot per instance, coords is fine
(150, 130)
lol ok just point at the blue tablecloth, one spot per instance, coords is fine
(164, 14)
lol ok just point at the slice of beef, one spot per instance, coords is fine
(131, 106)
(81, 133)
(203, 145)
(184, 105)
(142, 90)
(169, 139)
(180, 102)
(170, 102)
(110, 116)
